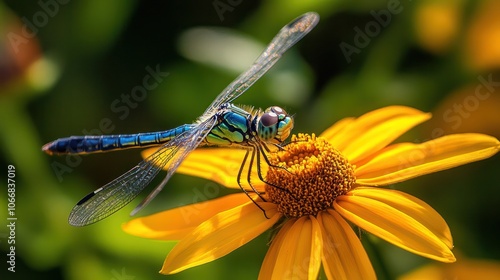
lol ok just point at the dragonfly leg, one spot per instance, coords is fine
(267, 159)
(249, 173)
(277, 146)
(259, 170)
(253, 188)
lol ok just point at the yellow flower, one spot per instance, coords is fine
(472, 27)
(437, 24)
(483, 37)
(328, 181)
(462, 269)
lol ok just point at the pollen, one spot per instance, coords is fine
(308, 174)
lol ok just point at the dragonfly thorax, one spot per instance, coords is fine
(274, 125)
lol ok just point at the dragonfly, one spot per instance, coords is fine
(223, 124)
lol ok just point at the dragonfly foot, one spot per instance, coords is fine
(265, 215)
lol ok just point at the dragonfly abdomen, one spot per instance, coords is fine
(104, 143)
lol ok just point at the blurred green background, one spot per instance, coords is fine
(67, 67)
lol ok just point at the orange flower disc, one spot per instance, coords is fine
(314, 173)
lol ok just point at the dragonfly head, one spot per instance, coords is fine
(275, 125)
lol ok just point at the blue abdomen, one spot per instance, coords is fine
(103, 143)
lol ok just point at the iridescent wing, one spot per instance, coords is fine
(286, 38)
(116, 194)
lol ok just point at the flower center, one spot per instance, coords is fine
(314, 173)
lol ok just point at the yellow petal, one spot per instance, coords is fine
(375, 130)
(411, 206)
(220, 165)
(343, 254)
(296, 251)
(267, 268)
(403, 161)
(462, 269)
(176, 223)
(330, 133)
(388, 214)
(220, 235)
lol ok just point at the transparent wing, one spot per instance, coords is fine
(194, 139)
(116, 194)
(286, 38)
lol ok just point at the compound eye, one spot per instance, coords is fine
(277, 110)
(269, 119)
